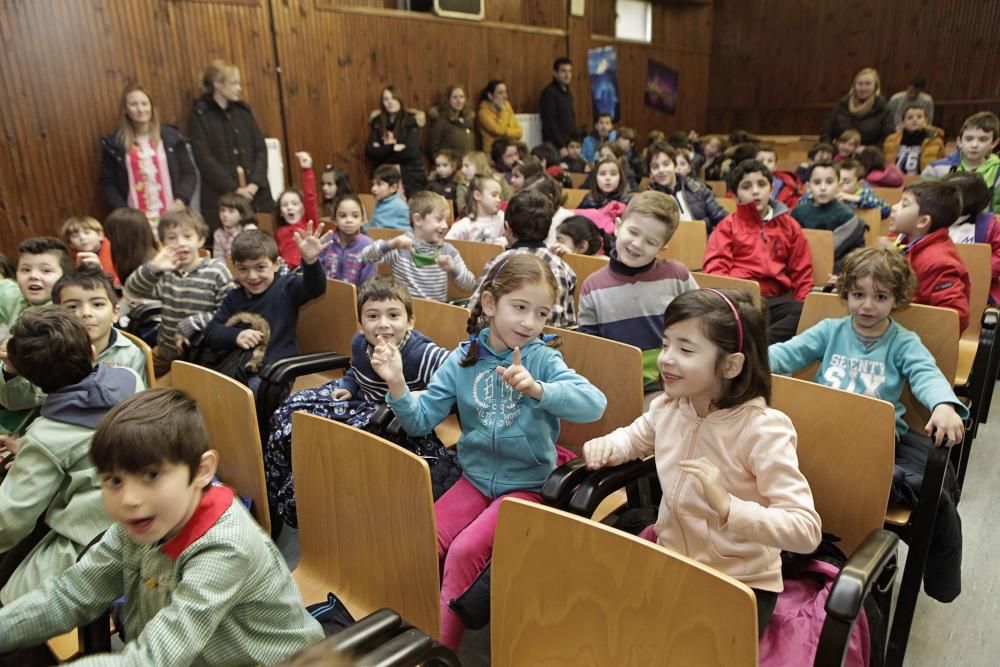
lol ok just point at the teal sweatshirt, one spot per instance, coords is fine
(508, 439)
(897, 358)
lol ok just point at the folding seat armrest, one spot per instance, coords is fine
(563, 481)
(602, 483)
(371, 631)
(410, 647)
(990, 317)
(286, 370)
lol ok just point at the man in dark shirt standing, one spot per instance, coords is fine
(556, 106)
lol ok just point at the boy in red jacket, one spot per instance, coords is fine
(922, 218)
(761, 241)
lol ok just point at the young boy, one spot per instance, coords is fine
(976, 142)
(855, 190)
(818, 153)
(603, 133)
(916, 145)
(921, 219)
(85, 237)
(443, 181)
(202, 583)
(51, 478)
(549, 157)
(848, 144)
(786, 187)
(626, 141)
(390, 209)
(526, 224)
(625, 301)
(274, 298)
(820, 208)
(385, 314)
(190, 287)
(88, 294)
(761, 241)
(573, 161)
(977, 224)
(422, 260)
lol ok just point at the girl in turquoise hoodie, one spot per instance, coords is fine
(511, 388)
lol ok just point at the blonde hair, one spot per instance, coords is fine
(126, 131)
(886, 266)
(218, 71)
(426, 202)
(874, 74)
(78, 223)
(480, 162)
(656, 205)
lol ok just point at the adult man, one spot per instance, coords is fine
(914, 94)
(556, 106)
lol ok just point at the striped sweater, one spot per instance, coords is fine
(189, 299)
(421, 357)
(427, 282)
(622, 304)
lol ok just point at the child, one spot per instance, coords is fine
(390, 211)
(609, 184)
(477, 164)
(88, 294)
(580, 235)
(191, 288)
(976, 143)
(443, 181)
(820, 208)
(726, 461)
(786, 186)
(551, 188)
(612, 151)
(819, 152)
(296, 210)
(422, 260)
(977, 224)
(714, 149)
(527, 223)
(202, 583)
(385, 315)
(276, 299)
(762, 242)
(877, 173)
(511, 390)
(235, 215)
(848, 144)
(602, 134)
(694, 199)
(868, 353)
(548, 156)
(916, 145)
(85, 237)
(626, 142)
(484, 222)
(341, 259)
(334, 183)
(625, 300)
(573, 161)
(525, 171)
(52, 480)
(922, 218)
(855, 190)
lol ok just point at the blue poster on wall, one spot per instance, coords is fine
(602, 63)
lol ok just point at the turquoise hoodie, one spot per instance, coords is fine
(881, 371)
(508, 439)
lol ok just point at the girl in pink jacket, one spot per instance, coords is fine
(733, 495)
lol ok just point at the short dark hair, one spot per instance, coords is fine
(918, 82)
(50, 348)
(821, 147)
(449, 154)
(529, 215)
(975, 193)
(40, 245)
(625, 133)
(85, 276)
(546, 153)
(150, 428)
(549, 187)
(767, 148)
(825, 164)
(186, 217)
(915, 105)
(241, 204)
(560, 61)
(940, 200)
(986, 121)
(850, 164)
(719, 325)
(7, 269)
(679, 140)
(603, 115)
(384, 288)
(742, 169)
(583, 230)
(388, 173)
(657, 148)
(251, 244)
(497, 150)
(871, 158)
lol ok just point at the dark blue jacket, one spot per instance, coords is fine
(699, 198)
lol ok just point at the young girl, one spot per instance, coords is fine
(524, 172)
(868, 353)
(235, 215)
(726, 461)
(683, 162)
(342, 258)
(444, 179)
(977, 224)
(477, 164)
(334, 182)
(580, 235)
(385, 314)
(612, 151)
(848, 144)
(609, 185)
(511, 389)
(132, 245)
(484, 222)
(296, 209)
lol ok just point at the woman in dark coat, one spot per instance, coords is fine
(452, 125)
(145, 165)
(863, 109)
(224, 136)
(394, 138)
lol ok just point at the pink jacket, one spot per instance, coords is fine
(753, 446)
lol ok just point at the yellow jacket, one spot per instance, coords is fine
(931, 149)
(495, 123)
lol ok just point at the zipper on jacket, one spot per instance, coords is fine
(677, 491)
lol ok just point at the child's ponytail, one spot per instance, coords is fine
(477, 185)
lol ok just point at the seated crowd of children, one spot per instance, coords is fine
(109, 489)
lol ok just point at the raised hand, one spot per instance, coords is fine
(310, 242)
(712, 488)
(305, 160)
(249, 339)
(401, 242)
(85, 257)
(166, 259)
(445, 262)
(518, 377)
(387, 362)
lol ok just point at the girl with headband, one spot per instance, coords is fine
(733, 495)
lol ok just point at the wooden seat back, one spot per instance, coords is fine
(368, 203)
(890, 195)
(718, 188)
(328, 324)
(382, 233)
(687, 245)
(710, 280)
(476, 256)
(821, 248)
(872, 217)
(443, 323)
(977, 258)
(729, 204)
(577, 180)
(150, 377)
(573, 197)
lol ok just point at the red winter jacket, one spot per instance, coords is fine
(941, 276)
(789, 191)
(284, 234)
(774, 253)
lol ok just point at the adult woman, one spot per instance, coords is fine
(451, 125)
(496, 116)
(145, 164)
(863, 109)
(225, 136)
(394, 138)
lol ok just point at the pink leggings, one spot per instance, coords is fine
(466, 526)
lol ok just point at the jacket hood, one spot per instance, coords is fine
(725, 414)
(777, 208)
(494, 357)
(86, 402)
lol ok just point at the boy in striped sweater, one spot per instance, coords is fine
(625, 301)
(191, 287)
(422, 260)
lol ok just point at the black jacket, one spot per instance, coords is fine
(114, 173)
(410, 161)
(224, 139)
(558, 116)
(699, 198)
(451, 130)
(874, 125)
